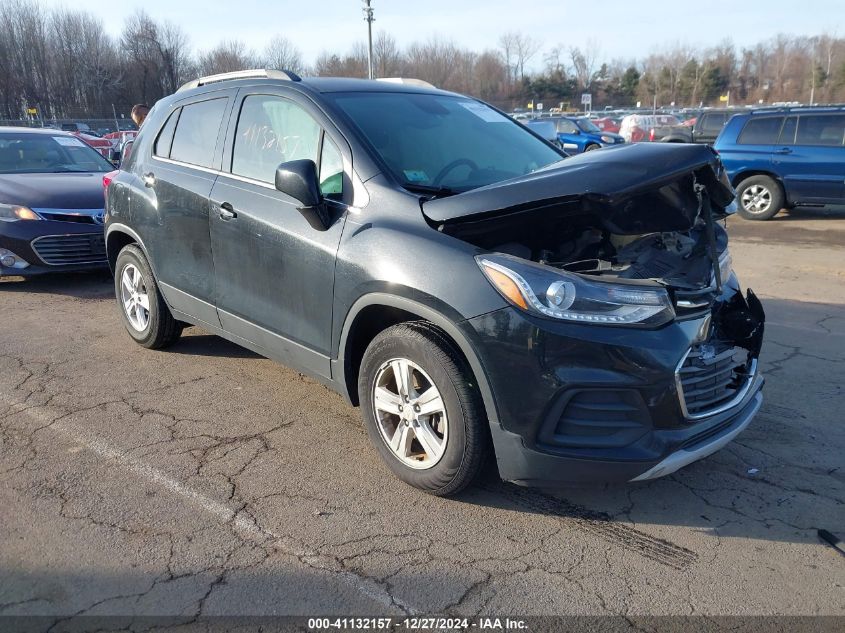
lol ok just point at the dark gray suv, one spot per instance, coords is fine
(443, 267)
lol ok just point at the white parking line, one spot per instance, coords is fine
(220, 510)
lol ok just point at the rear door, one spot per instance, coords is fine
(171, 208)
(810, 158)
(274, 273)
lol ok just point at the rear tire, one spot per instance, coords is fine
(142, 307)
(440, 452)
(759, 198)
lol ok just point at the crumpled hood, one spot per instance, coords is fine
(632, 189)
(53, 191)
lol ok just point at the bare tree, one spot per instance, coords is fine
(387, 57)
(226, 57)
(584, 63)
(283, 55)
(435, 61)
(518, 49)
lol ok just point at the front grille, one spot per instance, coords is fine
(63, 250)
(713, 377)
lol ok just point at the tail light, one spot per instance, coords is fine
(107, 178)
(651, 134)
(637, 134)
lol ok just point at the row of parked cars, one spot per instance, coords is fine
(479, 293)
(775, 157)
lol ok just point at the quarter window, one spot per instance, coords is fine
(196, 132)
(272, 130)
(761, 131)
(165, 137)
(821, 130)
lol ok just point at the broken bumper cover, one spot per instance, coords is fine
(531, 467)
(594, 404)
(709, 445)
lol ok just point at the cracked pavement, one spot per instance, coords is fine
(207, 480)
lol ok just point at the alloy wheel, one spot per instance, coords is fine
(410, 413)
(134, 297)
(756, 199)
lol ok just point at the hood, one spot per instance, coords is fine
(632, 189)
(53, 191)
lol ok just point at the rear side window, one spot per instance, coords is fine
(761, 131)
(165, 137)
(826, 129)
(272, 130)
(196, 132)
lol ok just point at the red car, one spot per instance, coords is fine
(607, 124)
(119, 138)
(102, 145)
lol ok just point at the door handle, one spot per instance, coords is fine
(227, 212)
(149, 179)
(783, 150)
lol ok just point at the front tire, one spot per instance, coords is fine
(591, 147)
(759, 197)
(422, 409)
(142, 307)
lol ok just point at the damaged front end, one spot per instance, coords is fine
(628, 237)
(629, 349)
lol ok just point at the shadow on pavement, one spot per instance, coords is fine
(93, 285)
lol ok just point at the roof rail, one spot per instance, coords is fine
(258, 73)
(835, 107)
(408, 81)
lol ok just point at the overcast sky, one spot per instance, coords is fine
(623, 28)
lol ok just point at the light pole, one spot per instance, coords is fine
(369, 19)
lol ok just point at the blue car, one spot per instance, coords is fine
(785, 158)
(579, 134)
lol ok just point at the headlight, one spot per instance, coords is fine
(13, 213)
(607, 139)
(552, 293)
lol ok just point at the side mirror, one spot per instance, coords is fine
(299, 180)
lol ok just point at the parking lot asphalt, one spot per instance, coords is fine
(208, 480)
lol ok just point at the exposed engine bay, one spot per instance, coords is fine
(678, 259)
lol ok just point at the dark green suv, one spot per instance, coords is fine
(446, 269)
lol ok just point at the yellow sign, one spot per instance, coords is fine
(723, 98)
(31, 111)
(530, 105)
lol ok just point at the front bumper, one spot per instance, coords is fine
(64, 246)
(585, 404)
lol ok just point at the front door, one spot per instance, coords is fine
(274, 273)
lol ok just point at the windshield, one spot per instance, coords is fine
(28, 153)
(446, 143)
(587, 126)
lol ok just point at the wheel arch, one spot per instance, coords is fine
(375, 312)
(119, 236)
(748, 173)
